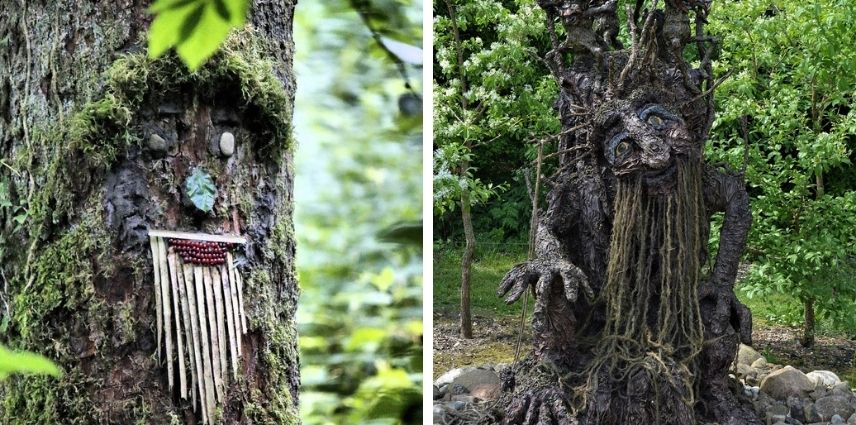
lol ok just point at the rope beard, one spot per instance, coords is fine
(653, 331)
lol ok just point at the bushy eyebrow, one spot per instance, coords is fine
(657, 110)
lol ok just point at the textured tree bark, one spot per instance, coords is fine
(467, 265)
(807, 339)
(96, 142)
(626, 327)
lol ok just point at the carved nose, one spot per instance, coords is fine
(657, 156)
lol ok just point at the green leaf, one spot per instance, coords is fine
(403, 51)
(204, 40)
(190, 23)
(196, 28)
(222, 10)
(26, 362)
(201, 190)
(164, 32)
(405, 232)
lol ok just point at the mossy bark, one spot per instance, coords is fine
(79, 102)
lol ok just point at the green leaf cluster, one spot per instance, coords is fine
(196, 28)
(792, 78)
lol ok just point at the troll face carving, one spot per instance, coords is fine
(624, 313)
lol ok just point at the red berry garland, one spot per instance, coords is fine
(200, 252)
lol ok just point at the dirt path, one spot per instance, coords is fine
(495, 339)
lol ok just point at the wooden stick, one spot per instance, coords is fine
(221, 326)
(230, 321)
(241, 300)
(153, 241)
(167, 309)
(198, 236)
(176, 303)
(235, 305)
(194, 326)
(188, 325)
(212, 327)
(204, 337)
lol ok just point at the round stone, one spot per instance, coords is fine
(227, 143)
(157, 143)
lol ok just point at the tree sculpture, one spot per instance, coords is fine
(627, 328)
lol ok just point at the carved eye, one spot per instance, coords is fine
(619, 148)
(655, 120)
(622, 149)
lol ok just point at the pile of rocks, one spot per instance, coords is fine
(459, 389)
(780, 394)
(786, 395)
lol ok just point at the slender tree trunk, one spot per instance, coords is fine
(96, 142)
(807, 339)
(467, 264)
(808, 332)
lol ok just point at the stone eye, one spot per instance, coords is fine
(655, 120)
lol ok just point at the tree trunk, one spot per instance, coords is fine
(808, 331)
(96, 142)
(467, 265)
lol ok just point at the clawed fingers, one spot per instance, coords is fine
(573, 279)
(546, 407)
(516, 281)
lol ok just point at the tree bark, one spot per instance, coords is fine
(808, 332)
(467, 264)
(96, 142)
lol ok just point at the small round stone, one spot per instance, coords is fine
(157, 143)
(227, 143)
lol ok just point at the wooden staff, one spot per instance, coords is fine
(198, 380)
(212, 325)
(188, 326)
(173, 280)
(230, 321)
(204, 337)
(241, 299)
(153, 241)
(167, 309)
(221, 326)
(236, 314)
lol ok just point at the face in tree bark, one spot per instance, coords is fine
(99, 143)
(627, 328)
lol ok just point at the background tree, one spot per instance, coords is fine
(492, 95)
(791, 90)
(359, 172)
(84, 179)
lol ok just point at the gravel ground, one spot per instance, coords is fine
(495, 338)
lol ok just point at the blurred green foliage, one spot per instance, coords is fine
(791, 65)
(358, 184)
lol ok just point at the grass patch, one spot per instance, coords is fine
(490, 265)
(493, 261)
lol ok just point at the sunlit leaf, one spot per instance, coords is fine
(403, 51)
(26, 363)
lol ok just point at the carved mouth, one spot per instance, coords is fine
(660, 177)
